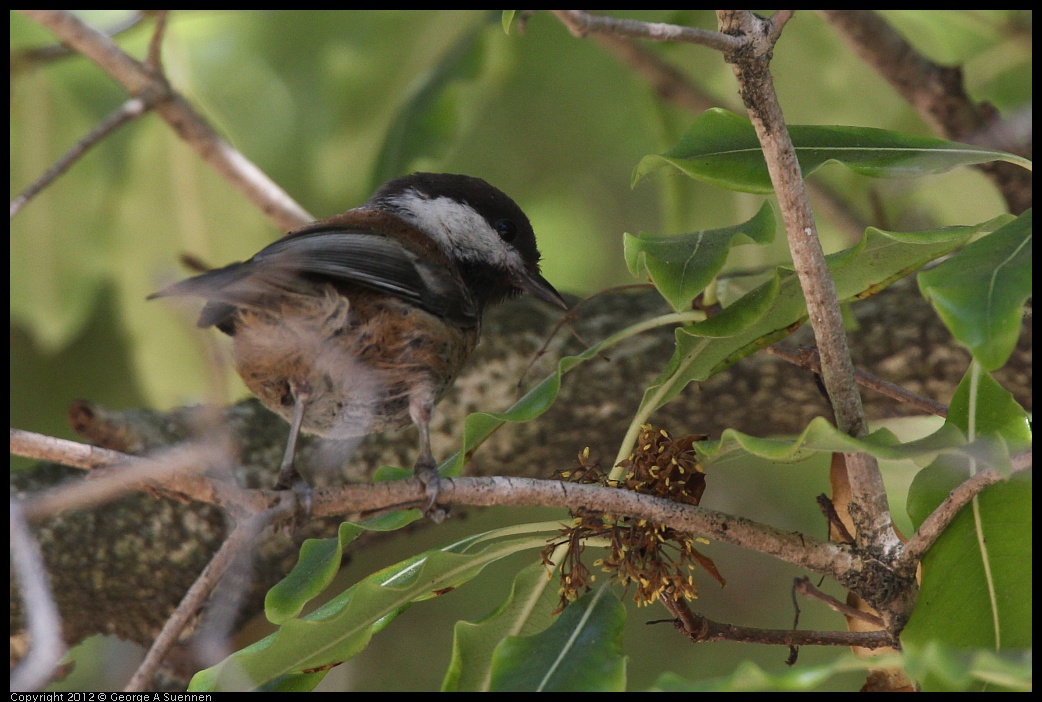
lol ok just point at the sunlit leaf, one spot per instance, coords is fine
(507, 19)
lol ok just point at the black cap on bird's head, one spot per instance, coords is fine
(477, 226)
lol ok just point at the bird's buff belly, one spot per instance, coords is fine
(357, 371)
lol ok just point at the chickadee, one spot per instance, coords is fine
(361, 322)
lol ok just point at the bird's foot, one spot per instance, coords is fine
(427, 473)
(302, 494)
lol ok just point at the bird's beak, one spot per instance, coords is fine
(535, 284)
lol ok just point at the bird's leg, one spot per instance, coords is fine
(289, 478)
(426, 469)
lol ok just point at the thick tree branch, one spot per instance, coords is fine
(756, 86)
(899, 338)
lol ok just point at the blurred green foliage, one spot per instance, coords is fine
(329, 103)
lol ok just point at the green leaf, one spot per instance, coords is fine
(695, 343)
(581, 651)
(316, 566)
(821, 436)
(507, 19)
(976, 585)
(526, 611)
(343, 626)
(980, 292)
(941, 668)
(749, 677)
(721, 148)
(777, 308)
(478, 426)
(996, 414)
(938, 667)
(681, 266)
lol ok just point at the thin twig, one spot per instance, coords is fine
(808, 358)
(700, 629)
(935, 524)
(131, 109)
(154, 60)
(118, 473)
(188, 124)
(46, 646)
(837, 530)
(580, 23)
(238, 542)
(33, 57)
(805, 588)
(567, 319)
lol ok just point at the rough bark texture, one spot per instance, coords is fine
(121, 569)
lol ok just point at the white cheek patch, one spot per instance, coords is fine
(458, 229)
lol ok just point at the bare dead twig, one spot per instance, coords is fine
(131, 109)
(808, 358)
(154, 61)
(46, 645)
(700, 629)
(805, 588)
(238, 542)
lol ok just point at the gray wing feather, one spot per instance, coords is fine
(345, 256)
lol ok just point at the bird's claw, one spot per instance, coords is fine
(304, 497)
(428, 475)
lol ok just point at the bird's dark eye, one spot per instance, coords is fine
(507, 229)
